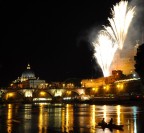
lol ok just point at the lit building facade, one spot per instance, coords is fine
(118, 84)
(102, 81)
(28, 80)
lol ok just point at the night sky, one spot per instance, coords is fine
(52, 37)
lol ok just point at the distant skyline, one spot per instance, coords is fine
(52, 37)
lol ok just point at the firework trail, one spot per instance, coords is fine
(120, 22)
(105, 49)
(113, 36)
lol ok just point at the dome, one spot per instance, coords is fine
(28, 73)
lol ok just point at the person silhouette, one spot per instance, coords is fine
(103, 122)
(110, 124)
(111, 121)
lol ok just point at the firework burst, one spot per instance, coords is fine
(120, 22)
(113, 36)
(105, 49)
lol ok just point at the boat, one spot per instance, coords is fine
(111, 126)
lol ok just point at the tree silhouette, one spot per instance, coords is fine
(139, 59)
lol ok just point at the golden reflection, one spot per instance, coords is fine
(27, 115)
(128, 125)
(43, 120)
(69, 118)
(118, 111)
(92, 119)
(118, 114)
(66, 117)
(40, 119)
(9, 118)
(63, 120)
(105, 111)
(118, 131)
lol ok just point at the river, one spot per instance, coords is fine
(69, 118)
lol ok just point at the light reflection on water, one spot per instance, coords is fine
(9, 118)
(68, 118)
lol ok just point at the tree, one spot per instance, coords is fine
(139, 59)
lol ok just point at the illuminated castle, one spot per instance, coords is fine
(122, 66)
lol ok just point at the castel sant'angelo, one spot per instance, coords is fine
(121, 67)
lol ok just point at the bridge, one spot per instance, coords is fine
(36, 94)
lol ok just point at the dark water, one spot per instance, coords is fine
(62, 118)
